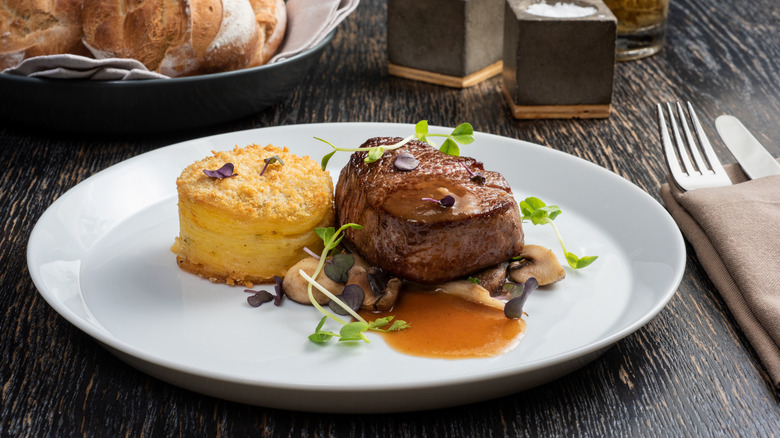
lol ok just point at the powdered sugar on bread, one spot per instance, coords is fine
(238, 24)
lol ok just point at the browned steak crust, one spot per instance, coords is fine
(421, 240)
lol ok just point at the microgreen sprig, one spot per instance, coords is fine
(462, 134)
(271, 160)
(539, 213)
(350, 331)
(447, 201)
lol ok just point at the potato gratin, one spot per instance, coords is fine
(251, 226)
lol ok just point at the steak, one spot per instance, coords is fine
(421, 240)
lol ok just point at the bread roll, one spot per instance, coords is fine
(39, 27)
(271, 17)
(180, 37)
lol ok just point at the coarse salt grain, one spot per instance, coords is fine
(560, 10)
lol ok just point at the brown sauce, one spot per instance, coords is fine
(448, 327)
(407, 203)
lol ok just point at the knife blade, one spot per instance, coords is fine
(754, 159)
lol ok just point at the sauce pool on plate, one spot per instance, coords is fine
(448, 327)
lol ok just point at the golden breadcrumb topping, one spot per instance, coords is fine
(288, 192)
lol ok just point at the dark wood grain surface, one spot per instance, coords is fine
(688, 372)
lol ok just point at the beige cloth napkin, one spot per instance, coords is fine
(308, 23)
(81, 67)
(735, 232)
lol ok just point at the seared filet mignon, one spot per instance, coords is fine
(422, 240)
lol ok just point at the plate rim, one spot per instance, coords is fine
(138, 353)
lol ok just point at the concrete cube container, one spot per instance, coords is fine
(559, 58)
(457, 43)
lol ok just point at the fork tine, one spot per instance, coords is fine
(701, 165)
(712, 159)
(682, 149)
(669, 151)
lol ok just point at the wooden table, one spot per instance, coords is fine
(690, 371)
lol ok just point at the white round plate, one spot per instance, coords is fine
(100, 256)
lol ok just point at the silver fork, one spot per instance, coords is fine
(689, 169)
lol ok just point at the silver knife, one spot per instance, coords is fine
(756, 161)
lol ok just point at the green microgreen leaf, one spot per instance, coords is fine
(463, 134)
(326, 234)
(421, 128)
(353, 331)
(374, 154)
(473, 280)
(379, 324)
(539, 213)
(449, 147)
(319, 336)
(421, 132)
(399, 324)
(325, 159)
(579, 262)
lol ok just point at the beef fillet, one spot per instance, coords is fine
(421, 240)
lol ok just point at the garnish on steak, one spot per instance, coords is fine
(422, 241)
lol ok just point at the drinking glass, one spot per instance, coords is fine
(641, 27)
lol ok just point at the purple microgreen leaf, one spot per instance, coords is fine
(467, 168)
(225, 171)
(258, 297)
(447, 201)
(279, 290)
(513, 309)
(352, 296)
(530, 285)
(271, 160)
(338, 269)
(405, 161)
(476, 177)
